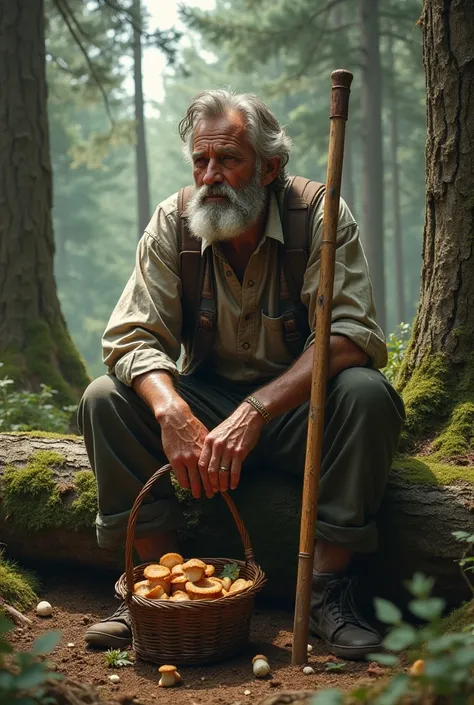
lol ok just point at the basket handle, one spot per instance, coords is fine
(249, 554)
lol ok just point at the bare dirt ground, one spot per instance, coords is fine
(80, 599)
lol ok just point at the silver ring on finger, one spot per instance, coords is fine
(224, 468)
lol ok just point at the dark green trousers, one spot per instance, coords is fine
(363, 419)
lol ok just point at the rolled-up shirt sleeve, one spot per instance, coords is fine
(353, 310)
(144, 330)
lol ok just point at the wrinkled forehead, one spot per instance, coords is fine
(229, 129)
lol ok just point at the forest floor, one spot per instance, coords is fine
(83, 598)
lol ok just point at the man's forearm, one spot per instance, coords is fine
(157, 389)
(293, 387)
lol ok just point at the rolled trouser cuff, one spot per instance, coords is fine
(154, 517)
(360, 539)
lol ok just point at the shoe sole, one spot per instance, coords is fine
(352, 653)
(99, 639)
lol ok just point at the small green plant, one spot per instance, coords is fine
(231, 570)
(23, 677)
(114, 658)
(335, 666)
(21, 410)
(397, 344)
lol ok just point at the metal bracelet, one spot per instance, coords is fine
(259, 407)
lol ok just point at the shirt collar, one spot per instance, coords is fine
(273, 227)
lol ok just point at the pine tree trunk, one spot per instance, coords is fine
(35, 345)
(372, 174)
(395, 187)
(141, 160)
(445, 320)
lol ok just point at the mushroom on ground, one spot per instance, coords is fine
(44, 609)
(417, 668)
(261, 667)
(169, 676)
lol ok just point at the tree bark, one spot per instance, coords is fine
(445, 320)
(141, 159)
(372, 174)
(34, 342)
(416, 522)
(395, 186)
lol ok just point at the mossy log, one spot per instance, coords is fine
(48, 505)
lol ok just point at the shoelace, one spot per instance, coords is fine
(340, 604)
(121, 610)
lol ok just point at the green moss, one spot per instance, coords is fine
(426, 395)
(47, 434)
(33, 500)
(426, 471)
(459, 619)
(51, 359)
(17, 587)
(457, 438)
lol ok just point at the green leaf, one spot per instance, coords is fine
(335, 666)
(332, 696)
(231, 570)
(394, 691)
(32, 677)
(383, 659)
(400, 637)
(420, 585)
(45, 643)
(5, 625)
(429, 609)
(387, 612)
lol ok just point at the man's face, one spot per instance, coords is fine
(230, 194)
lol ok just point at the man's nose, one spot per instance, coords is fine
(213, 173)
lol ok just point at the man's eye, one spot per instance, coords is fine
(199, 162)
(229, 157)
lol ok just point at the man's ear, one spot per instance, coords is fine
(270, 171)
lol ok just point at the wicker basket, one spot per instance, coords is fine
(198, 632)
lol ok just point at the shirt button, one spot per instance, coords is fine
(228, 272)
(247, 316)
(250, 282)
(245, 346)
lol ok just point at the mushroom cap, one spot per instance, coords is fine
(206, 587)
(194, 563)
(165, 584)
(179, 596)
(259, 656)
(141, 588)
(167, 669)
(177, 569)
(209, 570)
(180, 579)
(156, 593)
(169, 560)
(239, 586)
(155, 570)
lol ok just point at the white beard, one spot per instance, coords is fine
(225, 220)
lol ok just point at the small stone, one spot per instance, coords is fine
(374, 670)
(203, 678)
(44, 609)
(71, 645)
(307, 670)
(246, 692)
(309, 648)
(114, 678)
(85, 619)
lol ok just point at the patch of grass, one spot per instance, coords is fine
(425, 471)
(18, 587)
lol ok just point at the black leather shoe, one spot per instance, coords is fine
(113, 632)
(335, 619)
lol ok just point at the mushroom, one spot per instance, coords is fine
(44, 609)
(239, 586)
(179, 596)
(209, 570)
(177, 569)
(170, 560)
(205, 589)
(169, 676)
(162, 582)
(417, 668)
(194, 570)
(141, 588)
(154, 571)
(261, 667)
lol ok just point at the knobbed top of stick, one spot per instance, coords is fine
(341, 88)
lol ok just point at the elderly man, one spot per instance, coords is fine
(246, 398)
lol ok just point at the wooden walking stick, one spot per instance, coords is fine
(341, 82)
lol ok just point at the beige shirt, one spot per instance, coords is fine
(144, 330)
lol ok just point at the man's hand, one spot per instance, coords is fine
(183, 437)
(227, 446)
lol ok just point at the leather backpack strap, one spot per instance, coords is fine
(198, 301)
(297, 207)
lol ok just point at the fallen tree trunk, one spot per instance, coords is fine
(47, 509)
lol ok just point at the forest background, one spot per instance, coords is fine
(283, 51)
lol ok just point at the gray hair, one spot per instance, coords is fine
(266, 135)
